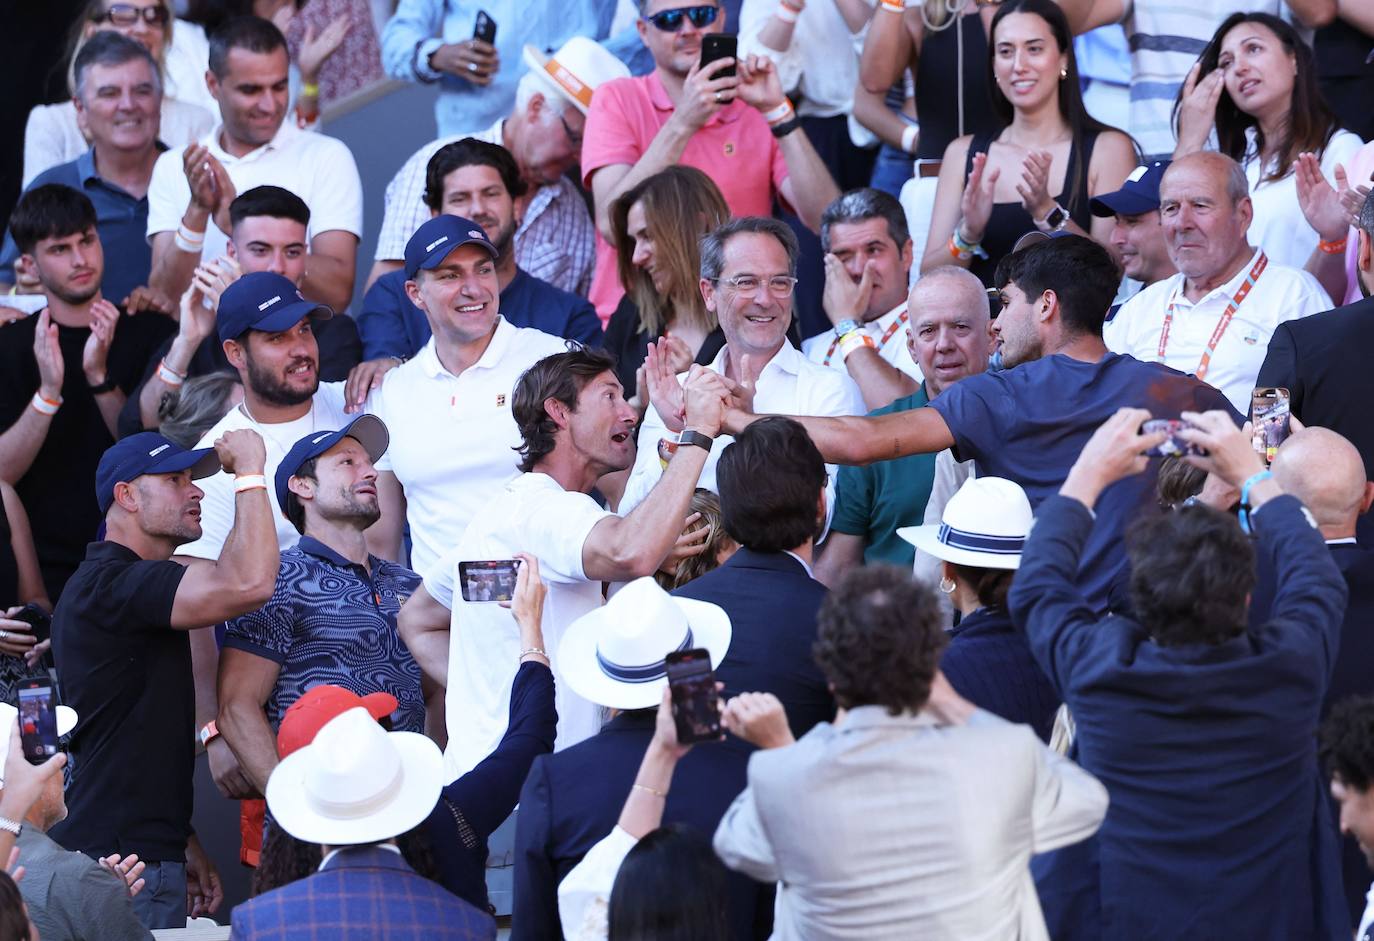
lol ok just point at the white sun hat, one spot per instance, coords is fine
(984, 525)
(66, 721)
(577, 69)
(356, 783)
(613, 656)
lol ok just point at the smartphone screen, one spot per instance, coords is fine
(485, 29)
(719, 46)
(1269, 425)
(37, 720)
(696, 704)
(1172, 446)
(488, 581)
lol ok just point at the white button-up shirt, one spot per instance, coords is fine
(453, 438)
(1280, 294)
(894, 352)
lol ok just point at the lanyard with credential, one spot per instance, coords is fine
(1241, 294)
(896, 325)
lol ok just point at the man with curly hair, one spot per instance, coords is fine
(913, 814)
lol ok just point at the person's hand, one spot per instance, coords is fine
(46, 350)
(204, 894)
(283, 16)
(229, 775)
(665, 728)
(690, 542)
(365, 377)
(16, 637)
(1353, 199)
(527, 604)
(1230, 453)
(144, 298)
(759, 719)
(1116, 450)
(759, 85)
(704, 92)
(214, 277)
(946, 705)
(1217, 493)
(471, 59)
(224, 186)
(1034, 188)
(844, 297)
(24, 782)
(680, 355)
(1197, 111)
(706, 396)
(129, 870)
(104, 320)
(26, 280)
(198, 302)
(665, 391)
(1321, 202)
(241, 452)
(200, 166)
(315, 49)
(975, 205)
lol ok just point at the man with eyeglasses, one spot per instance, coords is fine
(748, 274)
(555, 238)
(738, 128)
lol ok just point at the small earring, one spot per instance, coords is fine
(1063, 74)
(947, 585)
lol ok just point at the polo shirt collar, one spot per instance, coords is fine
(787, 359)
(658, 97)
(318, 549)
(279, 140)
(1225, 292)
(85, 167)
(428, 356)
(109, 549)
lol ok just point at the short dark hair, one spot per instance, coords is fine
(1191, 575)
(1177, 481)
(1366, 220)
(470, 152)
(713, 243)
(1080, 272)
(13, 922)
(863, 204)
(770, 479)
(1347, 741)
(880, 634)
(108, 48)
(669, 888)
(991, 586)
(294, 510)
(250, 33)
(272, 201)
(562, 377)
(50, 211)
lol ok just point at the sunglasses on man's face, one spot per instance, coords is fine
(126, 14)
(670, 21)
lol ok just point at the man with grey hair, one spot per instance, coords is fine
(1215, 317)
(118, 106)
(748, 274)
(867, 269)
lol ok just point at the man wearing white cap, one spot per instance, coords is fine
(555, 240)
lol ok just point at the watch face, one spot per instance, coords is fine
(1056, 218)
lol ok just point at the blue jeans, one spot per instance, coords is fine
(162, 903)
(892, 169)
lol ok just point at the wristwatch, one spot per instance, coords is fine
(848, 325)
(1054, 221)
(109, 385)
(695, 439)
(208, 733)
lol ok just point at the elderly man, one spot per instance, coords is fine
(1215, 317)
(554, 240)
(1138, 236)
(748, 269)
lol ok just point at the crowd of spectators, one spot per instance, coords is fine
(816, 340)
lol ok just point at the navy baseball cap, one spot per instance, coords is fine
(265, 301)
(368, 430)
(1140, 192)
(147, 453)
(437, 238)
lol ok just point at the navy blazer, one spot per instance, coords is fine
(366, 893)
(1218, 825)
(772, 603)
(572, 799)
(989, 663)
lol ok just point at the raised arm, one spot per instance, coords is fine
(1084, 15)
(330, 269)
(424, 625)
(890, 48)
(197, 321)
(863, 440)
(22, 441)
(1314, 14)
(1069, 803)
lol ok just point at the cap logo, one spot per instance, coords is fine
(1136, 174)
(318, 438)
(570, 83)
(158, 450)
(437, 242)
(476, 235)
(269, 302)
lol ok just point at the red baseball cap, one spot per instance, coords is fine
(308, 714)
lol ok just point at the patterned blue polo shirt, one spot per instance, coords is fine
(330, 622)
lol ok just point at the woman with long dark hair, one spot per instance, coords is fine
(994, 188)
(671, 887)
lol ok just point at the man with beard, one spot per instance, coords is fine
(64, 375)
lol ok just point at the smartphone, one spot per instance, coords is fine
(1269, 424)
(493, 580)
(696, 704)
(719, 46)
(37, 720)
(485, 29)
(1172, 446)
(36, 618)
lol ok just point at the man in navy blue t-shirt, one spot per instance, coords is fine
(1029, 422)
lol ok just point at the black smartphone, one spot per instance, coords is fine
(485, 29)
(696, 704)
(37, 720)
(492, 580)
(1172, 446)
(36, 618)
(1269, 421)
(719, 46)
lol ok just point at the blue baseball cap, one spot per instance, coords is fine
(264, 301)
(147, 453)
(1140, 192)
(368, 430)
(436, 239)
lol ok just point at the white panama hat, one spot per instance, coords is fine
(613, 656)
(984, 525)
(577, 69)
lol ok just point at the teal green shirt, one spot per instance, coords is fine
(873, 501)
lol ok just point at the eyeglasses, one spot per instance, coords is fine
(779, 286)
(574, 137)
(670, 21)
(126, 14)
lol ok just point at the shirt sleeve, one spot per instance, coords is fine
(1068, 804)
(978, 413)
(584, 325)
(156, 591)
(754, 16)
(440, 579)
(381, 324)
(405, 207)
(741, 841)
(336, 199)
(584, 895)
(267, 632)
(168, 194)
(853, 501)
(558, 525)
(609, 137)
(414, 22)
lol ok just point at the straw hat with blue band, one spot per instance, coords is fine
(984, 525)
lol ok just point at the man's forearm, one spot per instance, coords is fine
(204, 673)
(429, 647)
(887, 49)
(250, 550)
(1329, 270)
(812, 186)
(328, 280)
(880, 382)
(650, 530)
(21, 444)
(665, 150)
(172, 268)
(244, 726)
(1314, 14)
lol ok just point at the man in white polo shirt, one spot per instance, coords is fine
(453, 441)
(255, 144)
(1215, 317)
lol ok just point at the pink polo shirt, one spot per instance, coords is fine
(627, 114)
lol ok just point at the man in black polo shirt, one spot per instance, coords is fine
(124, 657)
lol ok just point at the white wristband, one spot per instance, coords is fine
(169, 375)
(250, 482)
(781, 113)
(45, 406)
(909, 135)
(785, 13)
(187, 245)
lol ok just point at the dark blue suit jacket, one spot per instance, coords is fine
(772, 603)
(573, 798)
(366, 893)
(988, 663)
(1218, 825)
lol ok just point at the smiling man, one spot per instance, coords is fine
(1138, 236)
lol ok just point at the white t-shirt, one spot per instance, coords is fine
(535, 515)
(217, 507)
(1280, 294)
(820, 65)
(318, 169)
(453, 438)
(892, 325)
